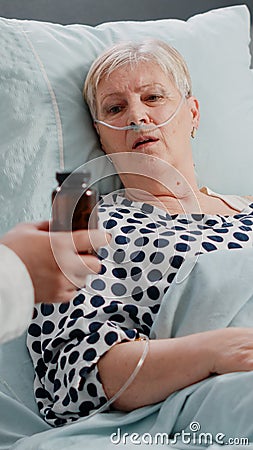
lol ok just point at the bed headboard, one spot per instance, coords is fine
(92, 12)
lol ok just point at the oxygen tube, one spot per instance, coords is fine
(143, 126)
(126, 384)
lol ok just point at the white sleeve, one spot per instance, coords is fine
(16, 295)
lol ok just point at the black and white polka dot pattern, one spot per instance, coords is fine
(148, 247)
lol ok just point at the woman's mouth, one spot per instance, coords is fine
(143, 141)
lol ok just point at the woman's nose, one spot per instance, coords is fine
(136, 122)
(137, 114)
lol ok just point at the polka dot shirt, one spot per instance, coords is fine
(148, 247)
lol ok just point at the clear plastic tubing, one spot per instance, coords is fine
(143, 126)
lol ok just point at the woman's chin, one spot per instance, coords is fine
(148, 172)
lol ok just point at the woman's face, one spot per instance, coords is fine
(145, 94)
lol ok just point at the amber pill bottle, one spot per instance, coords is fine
(74, 203)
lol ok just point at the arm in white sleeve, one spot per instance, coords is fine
(16, 295)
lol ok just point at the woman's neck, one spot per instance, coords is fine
(193, 202)
(184, 201)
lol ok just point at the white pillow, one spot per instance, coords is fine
(43, 67)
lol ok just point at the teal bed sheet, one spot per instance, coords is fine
(213, 292)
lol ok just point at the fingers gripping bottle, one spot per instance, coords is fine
(74, 203)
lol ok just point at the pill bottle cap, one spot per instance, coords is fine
(72, 178)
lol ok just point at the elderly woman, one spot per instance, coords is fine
(145, 115)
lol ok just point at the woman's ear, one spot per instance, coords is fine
(194, 107)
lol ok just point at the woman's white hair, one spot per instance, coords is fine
(131, 54)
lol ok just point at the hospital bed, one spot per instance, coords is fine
(46, 50)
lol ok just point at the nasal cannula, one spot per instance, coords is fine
(142, 126)
(126, 384)
(134, 127)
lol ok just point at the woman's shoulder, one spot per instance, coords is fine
(238, 202)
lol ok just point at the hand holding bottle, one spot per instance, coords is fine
(55, 261)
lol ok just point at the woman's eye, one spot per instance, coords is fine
(154, 97)
(114, 109)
